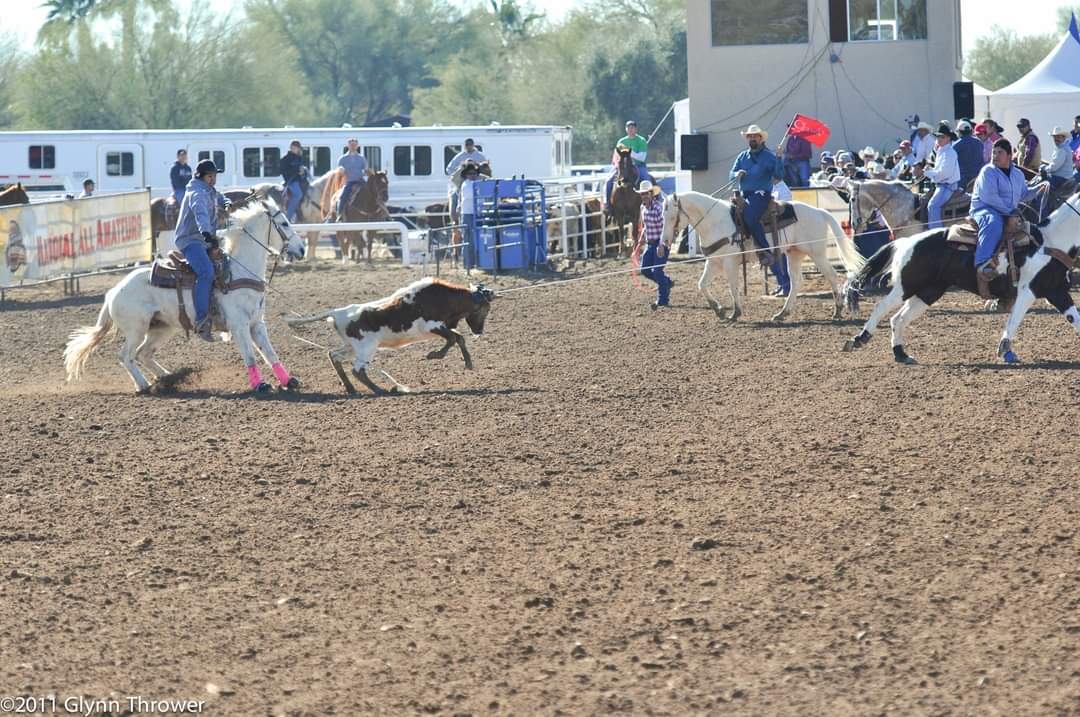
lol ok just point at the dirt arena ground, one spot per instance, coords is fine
(618, 511)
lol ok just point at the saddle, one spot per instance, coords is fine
(964, 236)
(777, 216)
(174, 272)
(954, 210)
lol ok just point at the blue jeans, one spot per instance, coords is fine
(652, 268)
(798, 172)
(756, 204)
(196, 255)
(344, 198)
(991, 226)
(296, 194)
(468, 238)
(937, 203)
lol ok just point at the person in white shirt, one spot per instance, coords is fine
(923, 143)
(87, 189)
(945, 174)
(1060, 165)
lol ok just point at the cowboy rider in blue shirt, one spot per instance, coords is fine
(196, 229)
(999, 189)
(757, 169)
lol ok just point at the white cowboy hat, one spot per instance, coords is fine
(754, 129)
(925, 125)
(647, 187)
(868, 151)
(1058, 132)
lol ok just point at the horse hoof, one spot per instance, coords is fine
(901, 356)
(1011, 358)
(400, 389)
(849, 346)
(263, 387)
(292, 384)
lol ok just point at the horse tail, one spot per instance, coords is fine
(850, 257)
(83, 340)
(875, 266)
(329, 190)
(298, 320)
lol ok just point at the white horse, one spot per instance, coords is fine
(147, 316)
(717, 238)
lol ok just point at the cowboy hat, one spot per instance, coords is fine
(754, 129)
(647, 187)
(868, 151)
(1058, 132)
(926, 126)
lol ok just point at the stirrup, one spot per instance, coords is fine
(205, 329)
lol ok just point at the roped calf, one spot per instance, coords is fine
(426, 308)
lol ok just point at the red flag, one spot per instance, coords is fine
(809, 129)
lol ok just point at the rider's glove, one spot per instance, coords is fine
(211, 240)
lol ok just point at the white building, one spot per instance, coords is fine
(860, 66)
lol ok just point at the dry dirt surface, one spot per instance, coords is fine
(619, 511)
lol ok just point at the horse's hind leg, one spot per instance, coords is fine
(890, 302)
(149, 346)
(913, 309)
(821, 261)
(128, 352)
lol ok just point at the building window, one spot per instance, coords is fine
(760, 22)
(886, 20)
(42, 156)
(119, 164)
(215, 154)
(566, 151)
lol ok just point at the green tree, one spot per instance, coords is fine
(1003, 57)
(10, 70)
(361, 59)
(160, 71)
(1064, 15)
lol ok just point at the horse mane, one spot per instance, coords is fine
(335, 180)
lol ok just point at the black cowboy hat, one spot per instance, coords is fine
(206, 166)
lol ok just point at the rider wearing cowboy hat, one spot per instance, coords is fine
(652, 232)
(1059, 168)
(922, 143)
(945, 174)
(196, 228)
(757, 169)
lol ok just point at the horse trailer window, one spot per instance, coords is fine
(42, 156)
(422, 161)
(251, 162)
(271, 159)
(373, 155)
(566, 150)
(558, 153)
(322, 161)
(403, 161)
(217, 155)
(119, 164)
(449, 152)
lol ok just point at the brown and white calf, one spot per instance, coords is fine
(424, 309)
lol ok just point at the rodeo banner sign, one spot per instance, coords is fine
(50, 239)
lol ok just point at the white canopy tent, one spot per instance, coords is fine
(1049, 95)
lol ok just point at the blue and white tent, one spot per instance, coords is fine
(1049, 95)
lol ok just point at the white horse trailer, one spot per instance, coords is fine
(413, 157)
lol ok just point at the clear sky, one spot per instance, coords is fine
(24, 17)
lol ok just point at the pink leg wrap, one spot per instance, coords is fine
(281, 372)
(254, 376)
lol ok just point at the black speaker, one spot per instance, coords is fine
(963, 97)
(695, 151)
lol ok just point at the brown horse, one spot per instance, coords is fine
(368, 204)
(625, 206)
(15, 194)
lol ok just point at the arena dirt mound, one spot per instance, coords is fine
(169, 384)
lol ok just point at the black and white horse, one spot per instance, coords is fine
(925, 266)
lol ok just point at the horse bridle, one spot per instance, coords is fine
(281, 233)
(856, 192)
